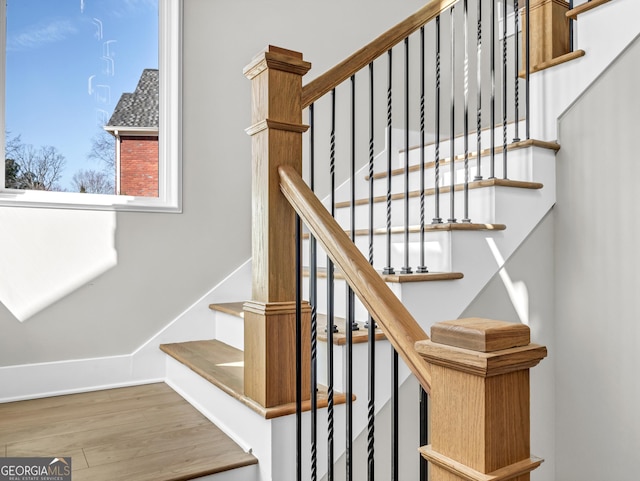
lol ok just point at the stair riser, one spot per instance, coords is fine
(518, 168)
(229, 329)
(481, 210)
(340, 299)
(398, 162)
(437, 251)
(459, 144)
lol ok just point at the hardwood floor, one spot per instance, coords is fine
(141, 433)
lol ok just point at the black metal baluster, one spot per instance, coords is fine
(350, 323)
(516, 84)
(527, 73)
(452, 121)
(298, 256)
(571, 39)
(330, 299)
(437, 219)
(422, 268)
(466, 111)
(424, 432)
(406, 269)
(313, 300)
(504, 89)
(389, 269)
(493, 90)
(395, 417)
(479, 95)
(371, 325)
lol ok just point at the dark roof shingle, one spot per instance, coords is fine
(140, 108)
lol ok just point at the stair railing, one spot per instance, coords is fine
(277, 322)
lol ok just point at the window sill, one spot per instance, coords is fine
(74, 200)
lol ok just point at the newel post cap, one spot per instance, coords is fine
(277, 58)
(483, 347)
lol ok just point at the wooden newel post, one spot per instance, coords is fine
(480, 400)
(276, 139)
(549, 30)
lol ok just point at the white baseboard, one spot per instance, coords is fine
(144, 366)
(31, 381)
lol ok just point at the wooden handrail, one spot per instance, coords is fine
(367, 54)
(392, 316)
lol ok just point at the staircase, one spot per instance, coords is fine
(206, 365)
(461, 258)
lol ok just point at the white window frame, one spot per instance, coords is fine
(170, 134)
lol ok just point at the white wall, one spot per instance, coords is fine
(143, 270)
(602, 33)
(523, 291)
(597, 282)
(578, 272)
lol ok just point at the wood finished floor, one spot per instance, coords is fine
(141, 433)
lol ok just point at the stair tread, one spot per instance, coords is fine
(233, 308)
(585, 7)
(139, 433)
(340, 337)
(445, 226)
(478, 184)
(567, 57)
(223, 366)
(472, 155)
(398, 278)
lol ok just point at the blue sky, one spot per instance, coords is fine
(68, 62)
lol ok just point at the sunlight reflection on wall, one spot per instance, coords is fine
(44, 258)
(517, 291)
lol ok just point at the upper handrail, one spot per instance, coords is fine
(351, 65)
(399, 326)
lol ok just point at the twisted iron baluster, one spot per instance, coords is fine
(437, 219)
(504, 90)
(422, 268)
(330, 301)
(516, 84)
(371, 325)
(466, 113)
(452, 120)
(406, 269)
(313, 300)
(389, 269)
(527, 73)
(479, 106)
(493, 90)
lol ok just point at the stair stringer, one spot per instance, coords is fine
(481, 255)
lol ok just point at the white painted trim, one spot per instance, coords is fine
(170, 143)
(30, 381)
(132, 131)
(3, 62)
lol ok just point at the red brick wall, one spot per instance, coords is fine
(139, 166)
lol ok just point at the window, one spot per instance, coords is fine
(129, 113)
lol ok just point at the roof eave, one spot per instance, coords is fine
(131, 131)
